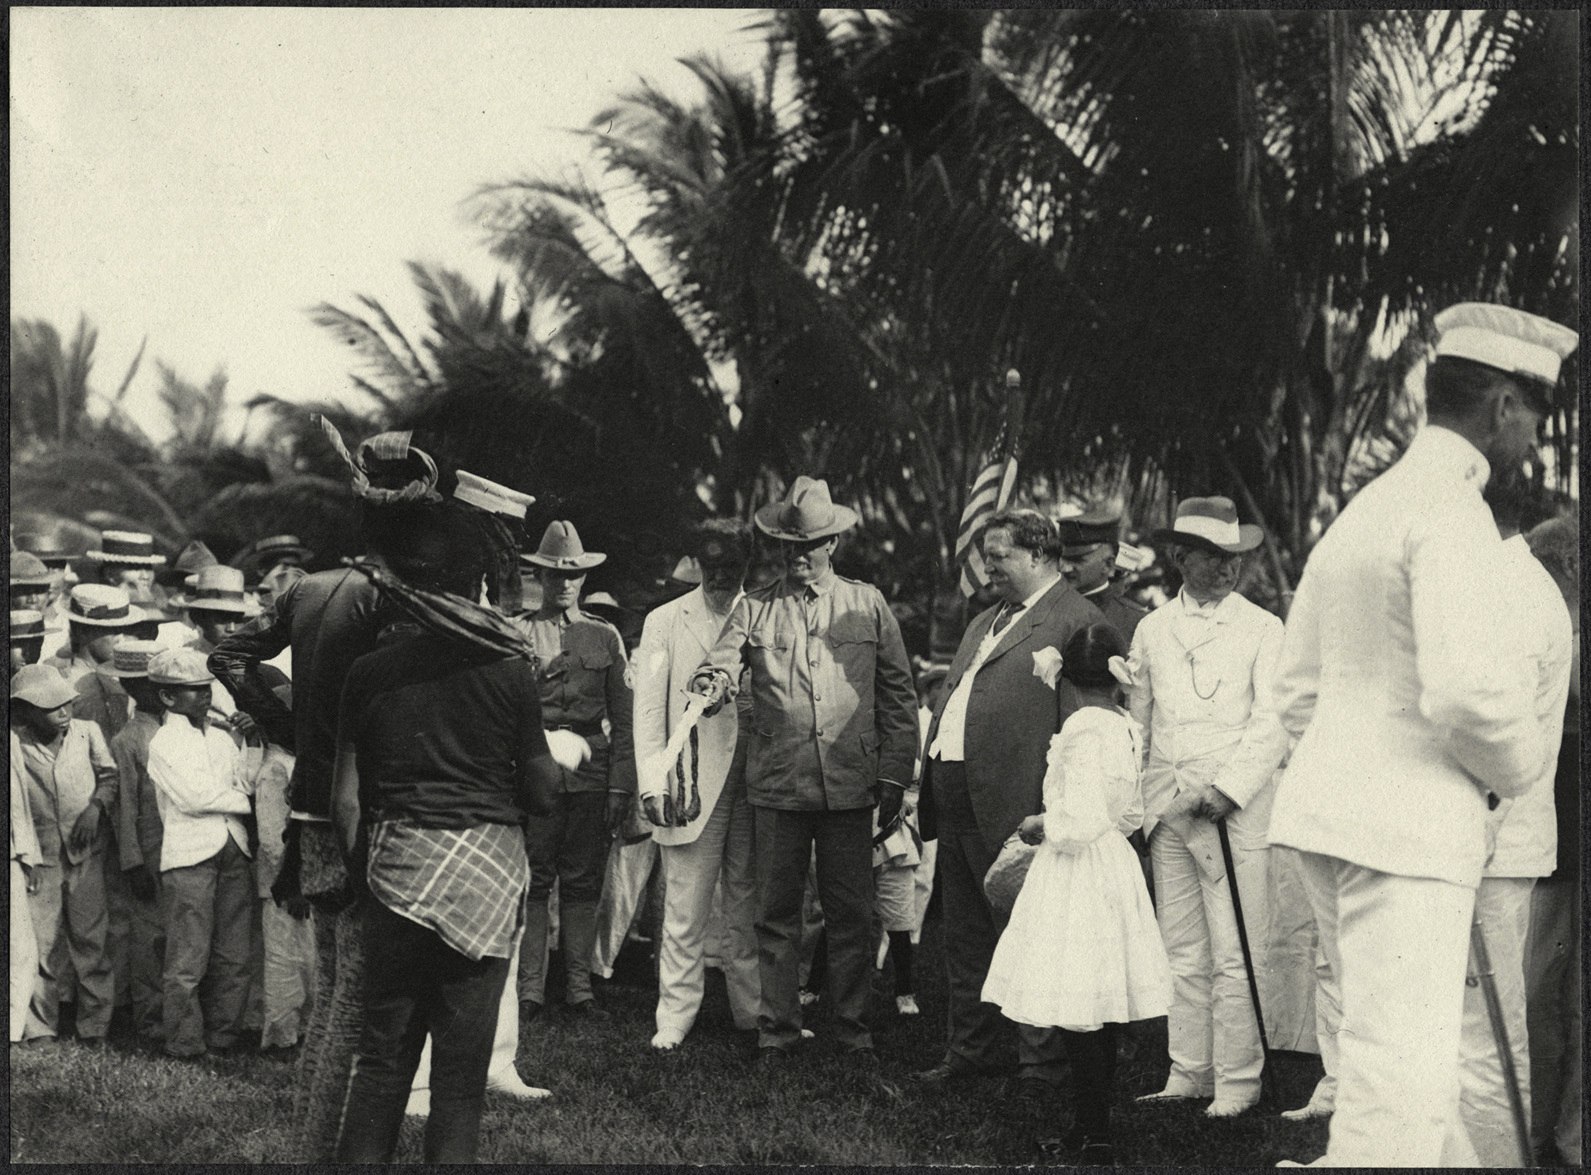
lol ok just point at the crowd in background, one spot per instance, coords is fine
(354, 814)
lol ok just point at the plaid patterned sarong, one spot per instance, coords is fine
(467, 884)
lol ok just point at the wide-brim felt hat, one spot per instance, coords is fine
(28, 570)
(218, 589)
(1210, 524)
(129, 548)
(806, 513)
(561, 550)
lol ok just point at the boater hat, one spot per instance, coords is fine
(130, 659)
(490, 495)
(26, 625)
(1210, 524)
(561, 550)
(42, 686)
(99, 605)
(127, 548)
(219, 589)
(29, 571)
(807, 513)
(1526, 346)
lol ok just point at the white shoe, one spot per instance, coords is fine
(1306, 1113)
(906, 1005)
(667, 1039)
(506, 1081)
(419, 1105)
(807, 1034)
(1175, 1093)
(1228, 1109)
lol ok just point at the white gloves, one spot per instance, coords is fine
(569, 750)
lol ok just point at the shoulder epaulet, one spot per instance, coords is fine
(1133, 604)
(588, 618)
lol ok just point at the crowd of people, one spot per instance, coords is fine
(352, 815)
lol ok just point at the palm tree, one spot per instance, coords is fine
(1154, 216)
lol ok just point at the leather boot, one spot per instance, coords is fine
(578, 936)
(532, 981)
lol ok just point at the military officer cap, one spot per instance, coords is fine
(1102, 524)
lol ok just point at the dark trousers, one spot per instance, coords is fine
(978, 1034)
(844, 844)
(1093, 1058)
(571, 847)
(210, 909)
(416, 984)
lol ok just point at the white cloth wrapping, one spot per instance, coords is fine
(1081, 948)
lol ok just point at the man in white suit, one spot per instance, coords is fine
(1415, 716)
(703, 825)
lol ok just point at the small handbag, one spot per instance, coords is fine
(1003, 881)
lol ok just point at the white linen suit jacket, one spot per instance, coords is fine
(1410, 697)
(674, 639)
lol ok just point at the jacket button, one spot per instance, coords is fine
(817, 697)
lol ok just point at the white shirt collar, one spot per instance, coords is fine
(1192, 607)
(1447, 452)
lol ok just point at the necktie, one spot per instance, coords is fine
(1003, 620)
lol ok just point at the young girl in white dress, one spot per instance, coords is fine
(1082, 952)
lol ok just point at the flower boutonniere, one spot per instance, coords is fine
(1047, 665)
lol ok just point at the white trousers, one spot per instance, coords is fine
(24, 952)
(1398, 946)
(1502, 907)
(1328, 1024)
(623, 889)
(1213, 1037)
(721, 855)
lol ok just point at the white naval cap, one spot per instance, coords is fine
(489, 495)
(1510, 340)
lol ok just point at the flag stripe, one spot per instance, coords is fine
(990, 492)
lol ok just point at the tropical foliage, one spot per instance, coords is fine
(1210, 241)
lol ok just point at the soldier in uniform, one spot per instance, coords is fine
(1090, 543)
(583, 693)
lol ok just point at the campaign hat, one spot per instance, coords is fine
(561, 550)
(806, 513)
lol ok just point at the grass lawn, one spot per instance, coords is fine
(617, 1101)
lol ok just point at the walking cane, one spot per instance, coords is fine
(1266, 1084)
(1494, 1013)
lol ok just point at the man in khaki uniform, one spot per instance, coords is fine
(583, 693)
(834, 733)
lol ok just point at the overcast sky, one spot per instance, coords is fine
(203, 176)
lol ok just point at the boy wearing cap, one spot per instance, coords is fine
(202, 792)
(1413, 714)
(97, 617)
(139, 831)
(70, 781)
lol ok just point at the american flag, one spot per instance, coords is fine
(990, 492)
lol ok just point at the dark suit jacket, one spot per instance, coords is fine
(1121, 612)
(1011, 713)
